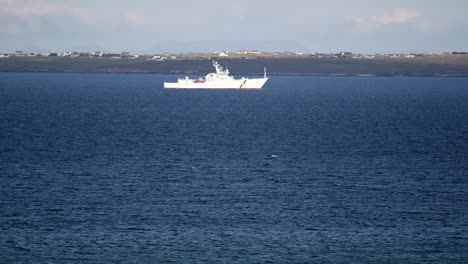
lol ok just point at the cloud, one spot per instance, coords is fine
(27, 8)
(237, 12)
(399, 16)
(370, 24)
(26, 15)
(140, 20)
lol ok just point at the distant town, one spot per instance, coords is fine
(245, 62)
(243, 54)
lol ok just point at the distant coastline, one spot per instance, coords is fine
(422, 66)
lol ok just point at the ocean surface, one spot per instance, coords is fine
(115, 169)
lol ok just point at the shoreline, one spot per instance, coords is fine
(429, 66)
(247, 75)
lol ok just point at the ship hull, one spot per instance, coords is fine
(242, 84)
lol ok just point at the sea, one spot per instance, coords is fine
(112, 168)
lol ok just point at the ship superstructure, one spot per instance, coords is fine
(218, 80)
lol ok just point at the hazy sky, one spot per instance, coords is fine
(153, 26)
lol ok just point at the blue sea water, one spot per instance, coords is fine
(114, 169)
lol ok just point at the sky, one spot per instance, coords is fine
(155, 26)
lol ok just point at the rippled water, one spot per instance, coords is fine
(114, 169)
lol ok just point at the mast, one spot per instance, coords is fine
(217, 67)
(264, 72)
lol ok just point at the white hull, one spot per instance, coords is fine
(219, 80)
(246, 84)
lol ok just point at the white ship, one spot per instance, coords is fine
(218, 80)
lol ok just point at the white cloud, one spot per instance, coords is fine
(370, 24)
(140, 20)
(236, 11)
(27, 8)
(399, 16)
(27, 14)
